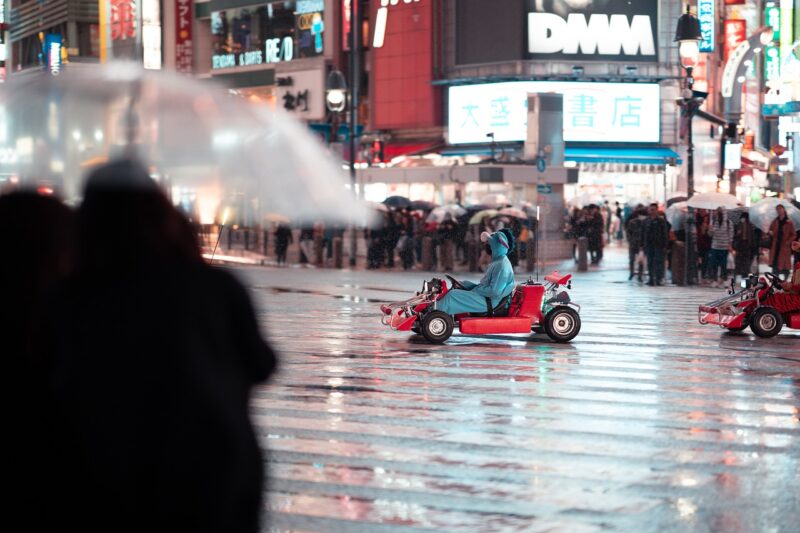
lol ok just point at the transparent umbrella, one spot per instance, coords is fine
(763, 212)
(206, 146)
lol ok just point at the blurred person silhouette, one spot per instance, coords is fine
(782, 233)
(283, 237)
(155, 354)
(37, 236)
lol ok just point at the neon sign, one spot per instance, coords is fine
(382, 18)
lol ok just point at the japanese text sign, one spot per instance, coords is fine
(734, 34)
(183, 36)
(593, 112)
(706, 16)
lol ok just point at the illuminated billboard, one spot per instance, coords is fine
(593, 112)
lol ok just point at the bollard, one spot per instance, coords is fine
(427, 254)
(530, 254)
(338, 248)
(679, 263)
(446, 253)
(319, 249)
(583, 253)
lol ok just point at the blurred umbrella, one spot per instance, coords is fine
(198, 140)
(421, 205)
(713, 200)
(378, 207)
(676, 199)
(763, 212)
(586, 199)
(478, 217)
(514, 212)
(676, 215)
(494, 200)
(277, 218)
(440, 213)
(397, 202)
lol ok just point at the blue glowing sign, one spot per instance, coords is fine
(705, 14)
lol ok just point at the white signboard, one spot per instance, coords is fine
(593, 112)
(302, 93)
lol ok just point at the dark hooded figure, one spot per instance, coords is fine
(155, 356)
(37, 236)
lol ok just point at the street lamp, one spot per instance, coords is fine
(688, 37)
(336, 92)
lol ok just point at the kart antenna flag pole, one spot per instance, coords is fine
(219, 235)
(536, 236)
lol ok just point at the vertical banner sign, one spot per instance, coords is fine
(184, 54)
(772, 54)
(706, 16)
(120, 29)
(151, 34)
(734, 34)
(787, 36)
(52, 51)
(346, 25)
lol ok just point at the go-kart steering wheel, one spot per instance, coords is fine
(773, 279)
(454, 283)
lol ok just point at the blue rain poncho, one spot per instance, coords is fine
(497, 283)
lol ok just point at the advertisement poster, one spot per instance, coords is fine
(593, 112)
(184, 56)
(602, 30)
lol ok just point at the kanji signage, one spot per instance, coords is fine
(706, 16)
(593, 112)
(735, 33)
(184, 54)
(302, 93)
(151, 34)
(123, 20)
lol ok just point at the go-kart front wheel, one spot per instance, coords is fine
(766, 322)
(562, 324)
(437, 326)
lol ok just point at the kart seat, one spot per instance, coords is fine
(500, 310)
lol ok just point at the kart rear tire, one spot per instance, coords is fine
(562, 324)
(437, 326)
(766, 322)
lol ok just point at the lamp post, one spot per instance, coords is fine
(688, 37)
(355, 51)
(335, 100)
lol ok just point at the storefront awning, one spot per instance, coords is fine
(658, 155)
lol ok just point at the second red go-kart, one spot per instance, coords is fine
(531, 307)
(755, 306)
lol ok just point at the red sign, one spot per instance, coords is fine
(735, 33)
(346, 24)
(735, 2)
(184, 55)
(123, 19)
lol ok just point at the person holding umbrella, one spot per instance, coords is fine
(782, 233)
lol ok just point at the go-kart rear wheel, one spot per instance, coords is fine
(766, 322)
(437, 326)
(562, 324)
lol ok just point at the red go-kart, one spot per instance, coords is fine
(755, 306)
(531, 307)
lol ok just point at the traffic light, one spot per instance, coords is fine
(377, 152)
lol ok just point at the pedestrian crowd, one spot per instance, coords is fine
(727, 244)
(130, 363)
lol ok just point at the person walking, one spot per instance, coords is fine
(596, 227)
(721, 231)
(155, 354)
(283, 237)
(745, 246)
(655, 238)
(634, 232)
(445, 237)
(782, 233)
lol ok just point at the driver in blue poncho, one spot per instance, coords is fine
(497, 283)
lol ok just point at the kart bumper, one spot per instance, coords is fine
(397, 319)
(711, 316)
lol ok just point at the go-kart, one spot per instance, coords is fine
(754, 306)
(531, 307)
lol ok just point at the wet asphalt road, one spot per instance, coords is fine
(647, 421)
